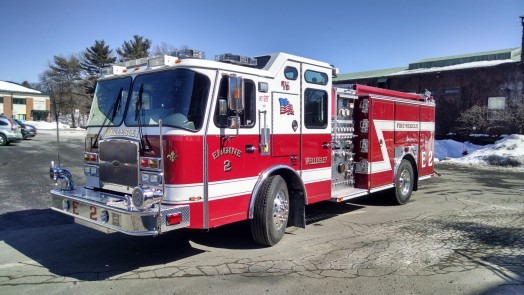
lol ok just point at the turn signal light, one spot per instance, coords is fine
(150, 163)
(91, 157)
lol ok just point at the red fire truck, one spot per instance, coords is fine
(183, 142)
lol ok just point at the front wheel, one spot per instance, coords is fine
(271, 212)
(404, 183)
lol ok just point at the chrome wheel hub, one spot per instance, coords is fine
(280, 210)
(404, 182)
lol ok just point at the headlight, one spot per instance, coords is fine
(151, 178)
(91, 170)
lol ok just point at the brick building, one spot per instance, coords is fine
(494, 79)
(17, 101)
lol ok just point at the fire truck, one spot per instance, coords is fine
(181, 142)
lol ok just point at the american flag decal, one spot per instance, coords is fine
(285, 107)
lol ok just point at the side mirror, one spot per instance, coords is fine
(235, 95)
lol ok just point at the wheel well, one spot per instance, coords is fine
(296, 191)
(413, 163)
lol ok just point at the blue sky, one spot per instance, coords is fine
(352, 35)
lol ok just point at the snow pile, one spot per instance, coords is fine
(507, 152)
(449, 148)
(42, 125)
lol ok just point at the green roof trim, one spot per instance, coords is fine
(503, 54)
(368, 74)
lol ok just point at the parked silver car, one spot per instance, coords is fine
(9, 131)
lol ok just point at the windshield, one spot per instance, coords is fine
(178, 97)
(108, 102)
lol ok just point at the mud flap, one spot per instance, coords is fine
(297, 216)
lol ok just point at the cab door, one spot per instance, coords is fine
(285, 115)
(315, 141)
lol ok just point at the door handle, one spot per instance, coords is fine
(250, 148)
(326, 145)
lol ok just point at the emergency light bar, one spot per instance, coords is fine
(113, 70)
(236, 59)
(190, 53)
(164, 60)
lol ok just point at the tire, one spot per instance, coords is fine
(3, 140)
(404, 183)
(271, 212)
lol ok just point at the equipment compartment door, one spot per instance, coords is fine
(381, 147)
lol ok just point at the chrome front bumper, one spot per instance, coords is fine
(110, 213)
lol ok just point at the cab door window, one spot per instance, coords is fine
(315, 109)
(247, 116)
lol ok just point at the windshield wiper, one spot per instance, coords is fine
(113, 110)
(139, 113)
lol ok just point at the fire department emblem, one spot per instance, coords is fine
(172, 156)
(285, 107)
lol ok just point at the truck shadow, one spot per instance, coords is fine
(70, 250)
(66, 249)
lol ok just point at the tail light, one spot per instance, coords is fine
(13, 126)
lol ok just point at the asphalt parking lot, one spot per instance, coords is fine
(462, 233)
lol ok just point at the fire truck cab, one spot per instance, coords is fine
(183, 142)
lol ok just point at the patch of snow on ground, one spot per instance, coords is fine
(42, 125)
(507, 152)
(449, 148)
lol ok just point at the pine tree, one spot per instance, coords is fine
(95, 58)
(134, 49)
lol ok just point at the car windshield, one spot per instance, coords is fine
(178, 97)
(108, 102)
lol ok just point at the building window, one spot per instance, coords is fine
(18, 100)
(315, 106)
(496, 103)
(1, 100)
(451, 91)
(496, 107)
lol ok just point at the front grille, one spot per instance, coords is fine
(119, 163)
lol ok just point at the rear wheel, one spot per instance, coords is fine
(3, 140)
(404, 183)
(271, 212)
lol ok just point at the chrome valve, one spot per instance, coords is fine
(57, 173)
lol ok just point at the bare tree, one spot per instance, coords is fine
(164, 49)
(62, 80)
